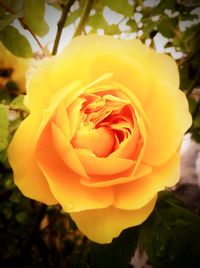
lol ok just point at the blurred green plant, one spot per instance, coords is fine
(33, 235)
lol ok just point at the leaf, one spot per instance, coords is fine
(15, 5)
(119, 6)
(112, 29)
(97, 21)
(5, 20)
(15, 42)
(133, 25)
(73, 16)
(192, 104)
(4, 123)
(168, 26)
(34, 16)
(170, 235)
(4, 158)
(5, 97)
(117, 254)
(18, 104)
(196, 122)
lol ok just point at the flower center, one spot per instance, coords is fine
(106, 121)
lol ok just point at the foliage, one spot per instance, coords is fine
(170, 235)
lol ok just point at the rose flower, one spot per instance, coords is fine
(103, 135)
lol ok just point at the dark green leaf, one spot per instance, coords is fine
(196, 136)
(196, 122)
(3, 157)
(117, 254)
(170, 235)
(5, 20)
(15, 42)
(167, 27)
(5, 97)
(34, 16)
(15, 5)
(192, 104)
(4, 134)
(162, 5)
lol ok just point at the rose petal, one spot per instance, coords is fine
(102, 166)
(103, 225)
(169, 121)
(64, 183)
(39, 85)
(66, 152)
(21, 152)
(136, 194)
(74, 115)
(99, 141)
(107, 181)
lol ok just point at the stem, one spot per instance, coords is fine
(61, 24)
(25, 26)
(84, 17)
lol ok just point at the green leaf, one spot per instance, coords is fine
(5, 20)
(73, 16)
(15, 5)
(4, 159)
(119, 6)
(4, 123)
(196, 122)
(196, 136)
(34, 16)
(112, 29)
(170, 235)
(4, 96)
(192, 104)
(117, 254)
(18, 104)
(133, 25)
(167, 27)
(97, 21)
(15, 42)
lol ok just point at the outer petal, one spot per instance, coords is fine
(21, 153)
(158, 64)
(167, 111)
(64, 183)
(39, 85)
(136, 194)
(103, 225)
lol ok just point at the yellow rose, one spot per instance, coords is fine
(103, 135)
(12, 68)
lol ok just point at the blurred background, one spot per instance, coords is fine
(32, 234)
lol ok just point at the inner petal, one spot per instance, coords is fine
(99, 141)
(106, 128)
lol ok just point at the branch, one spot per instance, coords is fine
(25, 26)
(61, 23)
(84, 17)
